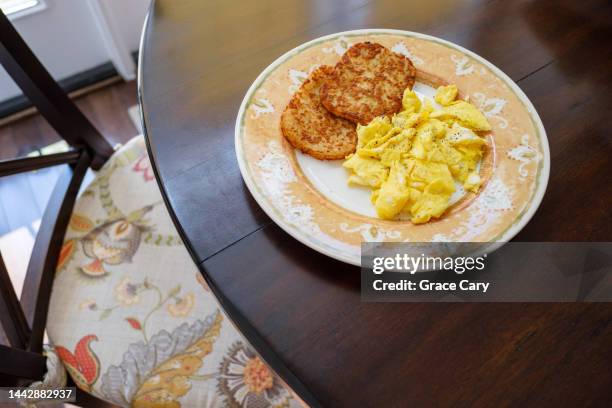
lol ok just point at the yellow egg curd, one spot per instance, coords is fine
(413, 160)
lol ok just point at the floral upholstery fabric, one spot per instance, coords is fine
(130, 316)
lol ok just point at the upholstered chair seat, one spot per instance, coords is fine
(130, 316)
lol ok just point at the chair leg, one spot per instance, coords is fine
(86, 400)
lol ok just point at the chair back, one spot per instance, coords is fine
(23, 320)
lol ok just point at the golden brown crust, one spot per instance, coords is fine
(368, 81)
(311, 128)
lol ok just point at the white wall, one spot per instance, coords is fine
(65, 38)
(130, 17)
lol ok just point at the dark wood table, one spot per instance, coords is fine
(197, 60)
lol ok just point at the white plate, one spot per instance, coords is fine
(311, 200)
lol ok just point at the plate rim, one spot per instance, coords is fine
(523, 218)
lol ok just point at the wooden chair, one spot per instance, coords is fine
(108, 268)
(22, 321)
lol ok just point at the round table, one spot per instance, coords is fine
(301, 309)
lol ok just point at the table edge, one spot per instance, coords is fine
(233, 314)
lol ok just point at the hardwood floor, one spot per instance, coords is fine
(106, 108)
(23, 197)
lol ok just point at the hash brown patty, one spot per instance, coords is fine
(311, 128)
(368, 81)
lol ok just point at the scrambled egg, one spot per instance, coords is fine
(413, 160)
